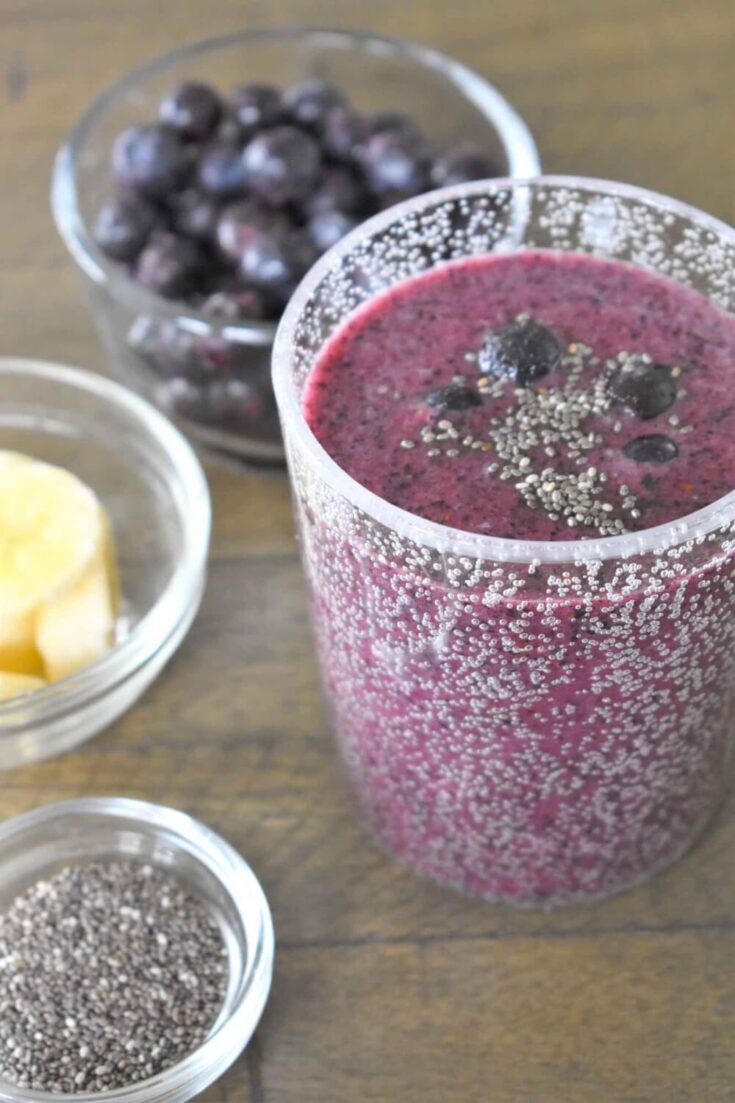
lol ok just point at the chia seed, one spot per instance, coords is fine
(110, 973)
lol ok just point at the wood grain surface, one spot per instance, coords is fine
(388, 990)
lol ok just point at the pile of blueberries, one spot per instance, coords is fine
(225, 202)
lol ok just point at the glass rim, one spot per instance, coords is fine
(183, 591)
(512, 132)
(227, 866)
(444, 538)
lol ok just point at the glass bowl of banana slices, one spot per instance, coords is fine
(104, 535)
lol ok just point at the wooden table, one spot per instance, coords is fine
(386, 989)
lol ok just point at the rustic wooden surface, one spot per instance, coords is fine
(387, 989)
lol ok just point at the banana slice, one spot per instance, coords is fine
(18, 652)
(109, 558)
(16, 685)
(51, 529)
(77, 628)
(8, 459)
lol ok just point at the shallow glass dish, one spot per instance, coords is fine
(153, 487)
(38, 844)
(146, 336)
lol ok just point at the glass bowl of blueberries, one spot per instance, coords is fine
(196, 192)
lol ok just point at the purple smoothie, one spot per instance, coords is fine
(563, 735)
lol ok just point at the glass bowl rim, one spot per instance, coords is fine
(183, 589)
(209, 1060)
(441, 537)
(512, 132)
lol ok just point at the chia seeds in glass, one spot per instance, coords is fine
(110, 973)
(524, 716)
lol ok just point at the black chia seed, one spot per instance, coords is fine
(109, 973)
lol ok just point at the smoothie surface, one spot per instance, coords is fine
(536, 395)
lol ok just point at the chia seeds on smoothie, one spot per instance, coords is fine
(110, 973)
(543, 732)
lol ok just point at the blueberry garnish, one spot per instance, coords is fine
(282, 165)
(645, 389)
(521, 351)
(151, 159)
(191, 108)
(122, 227)
(256, 106)
(455, 396)
(653, 448)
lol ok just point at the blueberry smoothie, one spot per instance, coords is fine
(561, 731)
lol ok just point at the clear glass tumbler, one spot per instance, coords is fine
(527, 721)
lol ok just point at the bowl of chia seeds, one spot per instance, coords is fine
(136, 952)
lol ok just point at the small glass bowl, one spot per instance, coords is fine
(149, 340)
(154, 489)
(38, 844)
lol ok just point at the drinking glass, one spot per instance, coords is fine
(527, 721)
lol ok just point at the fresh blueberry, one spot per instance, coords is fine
(230, 133)
(146, 338)
(123, 226)
(310, 101)
(191, 108)
(282, 165)
(151, 159)
(463, 163)
(394, 122)
(166, 347)
(455, 396)
(195, 214)
(521, 351)
(186, 399)
(339, 189)
(390, 198)
(236, 400)
(240, 222)
(646, 389)
(275, 259)
(248, 304)
(169, 265)
(343, 132)
(256, 106)
(395, 164)
(221, 170)
(653, 448)
(326, 228)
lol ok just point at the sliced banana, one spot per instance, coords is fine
(51, 529)
(18, 651)
(8, 459)
(77, 628)
(17, 685)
